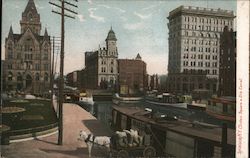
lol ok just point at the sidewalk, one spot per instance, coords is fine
(75, 119)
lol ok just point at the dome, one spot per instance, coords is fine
(111, 35)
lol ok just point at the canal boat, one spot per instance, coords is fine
(83, 98)
(197, 106)
(173, 137)
(118, 99)
(166, 99)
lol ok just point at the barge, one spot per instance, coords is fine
(172, 135)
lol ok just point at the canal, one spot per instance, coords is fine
(102, 110)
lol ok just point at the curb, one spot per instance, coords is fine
(27, 137)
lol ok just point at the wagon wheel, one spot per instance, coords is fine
(122, 154)
(149, 152)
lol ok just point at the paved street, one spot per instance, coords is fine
(75, 119)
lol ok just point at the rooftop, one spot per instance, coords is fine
(192, 129)
(202, 11)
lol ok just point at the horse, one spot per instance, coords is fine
(91, 140)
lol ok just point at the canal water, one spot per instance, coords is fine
(102, 110)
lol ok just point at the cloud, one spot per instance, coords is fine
(134, 26)
(39, 7)
(81, 18)
(16, 6)
(123, 18)
(119, 9)
(90, 2)
(151, 7)
(105, 6)
(97, 18)
(109, 7)
(142, 16)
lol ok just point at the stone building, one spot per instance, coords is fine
(27, 55)
(101, 66)
(227, 76)
(132, 76)
(194, 41)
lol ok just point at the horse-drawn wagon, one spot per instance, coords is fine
(125, 143)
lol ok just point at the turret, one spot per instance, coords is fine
(46, 36)
(111, 43)
(10, 35)
(30, 19)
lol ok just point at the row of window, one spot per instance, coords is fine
(200, 63)
(200, 34)
(105, 79)
(202, 28)
(104, 53)
(103, 69)
(207, 71)
(103, 62)
(200, 42)
(199, 56)
(200, 49)
(20, 76)
(27, 48)
(28, 56)
(208, 20)
(27, 65)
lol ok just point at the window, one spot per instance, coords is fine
(112, 61)
(37, 77)
(45, 57)
(18, 55)
(10, 55)
(30, 16)
(46, 67)
(10, 76)
(111, 70)
(9, 66)
(19, 77)
(37, 67)
(46, 77)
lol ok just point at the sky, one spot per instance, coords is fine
(140, 27)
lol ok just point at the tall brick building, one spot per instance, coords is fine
(227, 76)
(132, 76)
(194, 47)
(101, 65)
(28, 55)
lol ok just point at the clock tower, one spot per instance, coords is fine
(30, 19)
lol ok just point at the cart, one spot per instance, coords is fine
(144, 150)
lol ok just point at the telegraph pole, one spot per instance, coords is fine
(52, 72)
(54, 44)
(63, 7)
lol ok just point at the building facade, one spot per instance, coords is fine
(194, 40)
(28, 55)
(101, 66)
(227, 76)
(132, 76)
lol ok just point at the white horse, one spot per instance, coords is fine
(91, 140)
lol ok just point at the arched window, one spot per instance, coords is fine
(19, 77)
(10, 76)
(45, 57)
(30, 16)
(46, 77)
(37, 77)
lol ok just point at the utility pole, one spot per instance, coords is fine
(63, 7)
(52, 72)
(54, 44)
